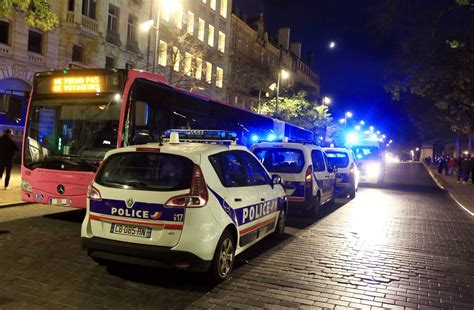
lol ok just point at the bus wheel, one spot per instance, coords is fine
(223, 260)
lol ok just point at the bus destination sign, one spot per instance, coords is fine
(77, 84)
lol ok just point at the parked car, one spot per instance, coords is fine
(186, 205)
(308, 178)
(347, 176)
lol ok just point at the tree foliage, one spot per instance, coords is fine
(37, 12)
(298, 105)
(432, 72)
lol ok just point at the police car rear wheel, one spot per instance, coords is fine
(314, 209)
(280, 228)
(223, 260)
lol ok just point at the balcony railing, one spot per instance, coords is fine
(70, 17)
(89, 23)
(5, 50)
(36, 58)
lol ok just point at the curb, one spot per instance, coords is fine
(438, 183)
(13, 204)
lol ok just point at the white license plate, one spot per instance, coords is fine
(60, 202)
(130, 230)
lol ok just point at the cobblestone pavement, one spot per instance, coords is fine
(404, 245)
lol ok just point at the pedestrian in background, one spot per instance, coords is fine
(466, 167)
(7, 152)
(459, 168)
(451, 166)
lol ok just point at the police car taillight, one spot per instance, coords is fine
(93, 193)
(309, 177)
(351, 169)
(198, 195)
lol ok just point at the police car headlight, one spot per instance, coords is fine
(25, 185)
(373, 170)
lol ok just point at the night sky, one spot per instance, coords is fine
(353, 73)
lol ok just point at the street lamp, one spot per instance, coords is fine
(168, 5)
(362, 123)
(346, 116)
(332, 45)
(327, 100)
(282, 74)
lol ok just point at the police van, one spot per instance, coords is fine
(308, 178)
(192, 202)
(347, 176)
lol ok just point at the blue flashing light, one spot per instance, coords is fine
(373, 137)
(359, 156)
(352, 138)
(254, 138)
(271, 137)
(199, 134)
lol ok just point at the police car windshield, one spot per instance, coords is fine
(282, 160)
(146, 171)
(338, 159)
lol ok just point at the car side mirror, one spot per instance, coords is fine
(276, 179)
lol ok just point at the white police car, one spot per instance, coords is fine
(347, 176)
(308, 178)
(180, 204)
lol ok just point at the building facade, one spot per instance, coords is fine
(255, 62)
(189, 47)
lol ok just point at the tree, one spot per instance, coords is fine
(431, 75)
(37, 12)
(299, 105)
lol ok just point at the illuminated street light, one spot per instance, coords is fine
(327, 100)
(168, 5)
(371, 128)
(332, 45)
(362, 123)
(342, 121)
(348, 114)
(282, 74)
(357, 127)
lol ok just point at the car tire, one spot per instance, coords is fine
(313, 210)
(281, 224)
(352, 193)
(223, 260)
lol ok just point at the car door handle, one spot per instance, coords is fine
(237, 199)
(262, 199)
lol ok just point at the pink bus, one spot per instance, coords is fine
(75, 116)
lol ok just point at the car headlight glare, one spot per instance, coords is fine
(373, 170)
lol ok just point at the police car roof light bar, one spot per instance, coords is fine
(200, 135)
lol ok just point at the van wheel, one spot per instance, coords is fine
(315, 206)
(352, 193)
(223, 260)
(280, 227)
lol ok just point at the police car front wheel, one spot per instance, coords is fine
(223, 260)
(280, 228)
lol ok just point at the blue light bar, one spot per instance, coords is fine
(198, 134)
(254, 138)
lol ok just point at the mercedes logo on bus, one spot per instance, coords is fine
(60, 189)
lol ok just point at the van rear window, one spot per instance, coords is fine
(338, 159)
(282, 160)
(146, 171)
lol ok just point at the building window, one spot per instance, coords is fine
(187, 64)
(224, 8)
(89, 8)
(77, 53)
(163, 54)
(176, 58)
(221, 42)
(219, 77)
(213, 4)
(70, 5)
(208, 72)
(201, 29)
(132, 28)
(190, 26)
(35, 42)
(112, 20)
(4, 32)
(178, 17)
(210, 36)
(109, 62)
(129, 66)
(198, 70)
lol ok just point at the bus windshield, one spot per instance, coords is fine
(70, 133)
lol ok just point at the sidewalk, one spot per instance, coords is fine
(463, 194)
(12, 196)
